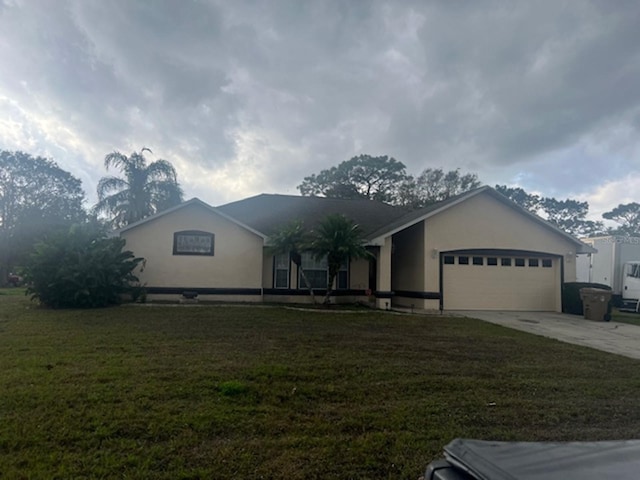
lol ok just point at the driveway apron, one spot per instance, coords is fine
(619, 338)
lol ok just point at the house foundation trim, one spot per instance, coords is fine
(203, 291)
(412, 294)
(317, 291)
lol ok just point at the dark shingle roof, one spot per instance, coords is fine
(267, 212)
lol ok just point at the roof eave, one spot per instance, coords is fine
(193, 201)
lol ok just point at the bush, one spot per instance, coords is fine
(571, 301)
(80, 268)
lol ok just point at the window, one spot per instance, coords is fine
(546, 263)
(478, 260)
(343, 278)
(193, 242)
(317, 272)
(533, 262)
(505, 262)
(449, 259)
(633, 270)
(519, 262)
(281, 271)
(463, 260)
(492, 261)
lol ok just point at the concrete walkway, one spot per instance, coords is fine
(619, 338)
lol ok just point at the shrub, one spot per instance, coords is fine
(80, 268)
(571, 301)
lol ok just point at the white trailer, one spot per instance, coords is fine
(616, 264)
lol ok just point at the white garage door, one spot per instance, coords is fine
(500, 283)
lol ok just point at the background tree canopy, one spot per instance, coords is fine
(36, 198)
(568, 215)
(364, 176)
(385, 179)
(434, 185)
(627, 216)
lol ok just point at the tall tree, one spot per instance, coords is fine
(528, 201)
(36, 197)
(292, 239)
(145, 189)
(568, 215)
(338, 239)
(434, 185)
(364, 176)
(628, 216)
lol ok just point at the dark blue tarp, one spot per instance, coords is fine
(608, 460)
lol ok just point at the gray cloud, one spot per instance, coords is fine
(247, 97)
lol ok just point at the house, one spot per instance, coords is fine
(475, 251)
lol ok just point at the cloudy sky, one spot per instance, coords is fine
(250, 97)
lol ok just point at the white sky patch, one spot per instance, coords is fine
(250, 172)
(608, 196)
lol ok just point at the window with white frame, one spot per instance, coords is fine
(281, 270)
(317, 272)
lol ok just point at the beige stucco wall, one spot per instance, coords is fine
(481, 222)
(407, 265)
(236, 263)
(407, 272)
(484, 222)
(359, 274)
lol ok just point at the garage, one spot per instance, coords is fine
(516, 281)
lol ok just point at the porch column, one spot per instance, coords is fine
(383, 275)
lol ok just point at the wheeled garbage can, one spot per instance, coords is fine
(595, 302)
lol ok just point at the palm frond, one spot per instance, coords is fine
(107, 185)
(162, 170)
(116, 159)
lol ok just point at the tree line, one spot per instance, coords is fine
(386, 179)
(39, 199)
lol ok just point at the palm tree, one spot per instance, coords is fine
(145, 189)
(337, 239)
(292, 239)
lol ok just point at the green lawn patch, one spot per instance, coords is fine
(169, 392)
(625, 317)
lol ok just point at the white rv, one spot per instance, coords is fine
(617, 264)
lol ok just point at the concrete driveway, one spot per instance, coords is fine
(619, 338)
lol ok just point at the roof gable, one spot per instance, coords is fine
(419, 215)
(188, 203)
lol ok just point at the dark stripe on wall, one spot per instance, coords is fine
(203, 291)
(316, 291)
(497, 252)
(423, 295)
(379, 294)
(441, 280)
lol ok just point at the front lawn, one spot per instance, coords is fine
(260, 392)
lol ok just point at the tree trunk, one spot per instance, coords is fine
(306, 281)
(332, 277)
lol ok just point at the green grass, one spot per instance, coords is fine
(238, 392)
(12, 291)
(625, 317)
